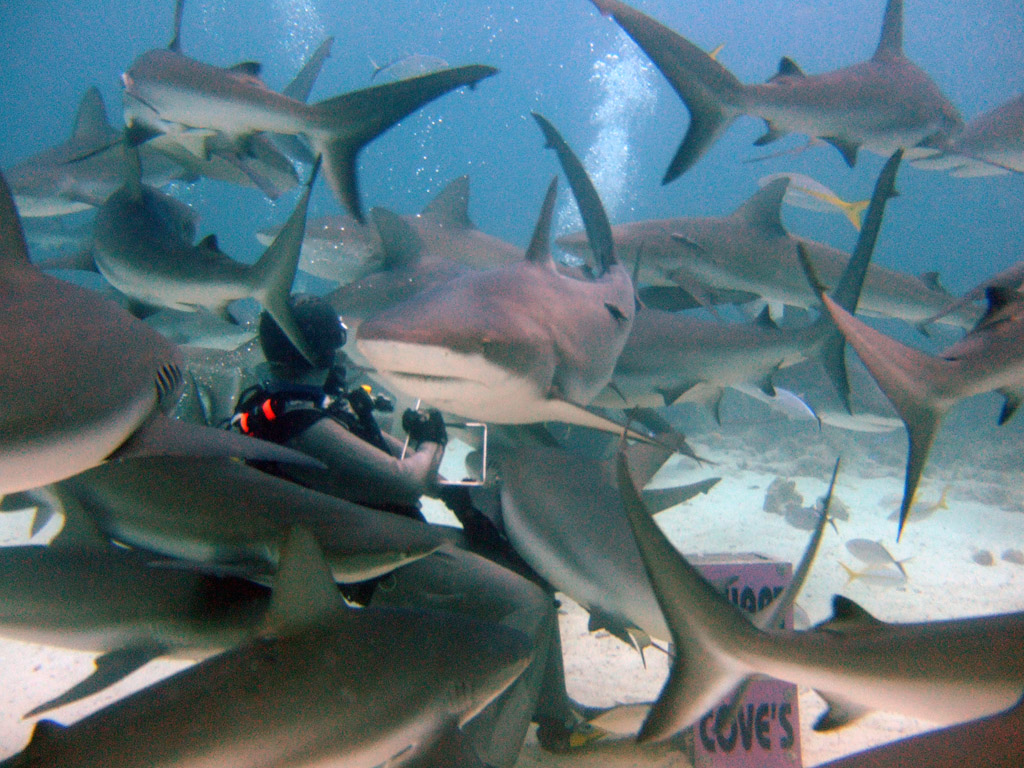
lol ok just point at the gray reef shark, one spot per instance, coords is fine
(265, 160)
(213, 109)
(85, 169)
(563, 514)
(993, 742)
(944, 671)
(516, 344)
(672, 356)
(339, 248)
(226, 514)
(84, 594)
(923, 387)
(989, 145)
(143, 247)
(82, 381)
(317, 686)
(750, 251)
(882, 104)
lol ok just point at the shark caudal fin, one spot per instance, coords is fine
(707, 88)
(340, 127)
(699, 618)
(274, 273)
(910, 379)
(851, 282)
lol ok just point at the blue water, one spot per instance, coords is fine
(565, 60)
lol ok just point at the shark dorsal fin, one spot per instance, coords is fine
(764, 208)
(45, 733)
(847, 617)
(931, 279)
(304, 589)
(91, 123)
(246, 68)
(789, 68)
(539, 250)
(451, 206)
(400, 240)
(890, 43)
(13, 248)
(595, 219)
(175, 44)
(209, 243)
(764, 319)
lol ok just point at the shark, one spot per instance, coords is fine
(563, 515)
(143, 247)
(265, 162)
(516, 344)
(990, 144)
(229, 515)
(751, 252)
(946, 671)
(325, 673)
(341, 249)
(81, 172)
(81, 593)
(924, 387)
(219, 110)
(992, 741)
(83, 381)
(671, 357)
(882, 104)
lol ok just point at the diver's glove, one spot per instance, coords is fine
(425, 427)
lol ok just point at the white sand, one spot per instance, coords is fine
(944, 581)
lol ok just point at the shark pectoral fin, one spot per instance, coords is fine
(246, 168)
(110, 668)
(449, 748)
(161, 435)
(555, 409)
(341, 126)
(771, 134)
(840, 712)
(1014, 397)
(660, 499)
(304, 588)
(848, 149)
(403, 246)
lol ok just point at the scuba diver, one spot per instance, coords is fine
(310, 408)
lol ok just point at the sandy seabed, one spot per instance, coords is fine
(983, 471)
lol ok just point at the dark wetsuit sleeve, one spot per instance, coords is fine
(363, 473)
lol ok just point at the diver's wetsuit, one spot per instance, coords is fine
(363, 464)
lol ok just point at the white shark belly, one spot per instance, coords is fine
(464, 384)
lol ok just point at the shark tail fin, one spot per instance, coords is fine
(707, 88)
(340, 127)
(910, 379)
(274, 273)
(704, 625)
(847, 292)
